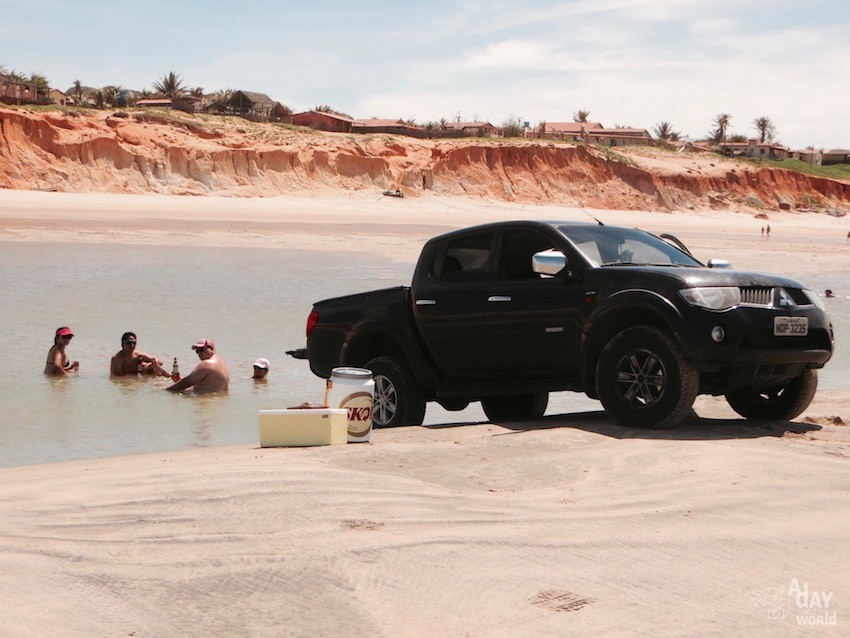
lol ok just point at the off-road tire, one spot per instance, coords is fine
(777, 403)
(398, 398)
(643, 380)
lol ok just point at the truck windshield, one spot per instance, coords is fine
(614, 246)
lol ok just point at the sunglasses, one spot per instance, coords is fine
(200, 350)
(68, 337)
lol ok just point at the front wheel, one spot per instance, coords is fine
(643, 381)
(398, 398)
(781, 402)
(515, 407)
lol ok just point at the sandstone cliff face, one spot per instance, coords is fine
(150, 153)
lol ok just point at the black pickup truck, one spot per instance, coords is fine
(506, 313)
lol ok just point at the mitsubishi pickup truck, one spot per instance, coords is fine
(506, 313)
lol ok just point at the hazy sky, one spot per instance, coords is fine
(628, 62)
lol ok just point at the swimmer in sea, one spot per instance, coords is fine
(210, 375)
(261, 369)
(58, 364)
(129, 361)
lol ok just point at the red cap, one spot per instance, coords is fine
(204, 343)
(64, 331)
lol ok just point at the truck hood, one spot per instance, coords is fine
(697, 277)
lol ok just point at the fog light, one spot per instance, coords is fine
(718, 334)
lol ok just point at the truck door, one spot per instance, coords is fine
(533, 321)
(450, 301)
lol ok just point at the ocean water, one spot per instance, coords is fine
(252, 301)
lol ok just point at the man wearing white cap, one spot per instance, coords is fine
(210, 375)
(261, 369)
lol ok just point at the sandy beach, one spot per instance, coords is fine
(566, 526)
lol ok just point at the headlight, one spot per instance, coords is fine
(712, 298)
(816, 301)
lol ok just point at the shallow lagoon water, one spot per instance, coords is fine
(252, 301)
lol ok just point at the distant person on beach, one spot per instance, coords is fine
(767, 230)
(828, 293)
(57, 364)
(762, 230)
(129, 361)
(261, 369)
(210, 375)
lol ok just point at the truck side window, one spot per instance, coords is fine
(464, 259)
(516, 251)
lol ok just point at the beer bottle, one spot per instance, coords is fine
(175, 371)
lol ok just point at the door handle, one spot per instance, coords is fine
(426, 302)
(499, 298)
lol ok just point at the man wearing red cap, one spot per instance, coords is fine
(210, 375)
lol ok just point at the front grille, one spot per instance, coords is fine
(757, 296)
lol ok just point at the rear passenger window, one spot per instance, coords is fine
(464, 259)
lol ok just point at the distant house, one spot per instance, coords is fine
(13, 91)
(154, 102)
(322, 121)
(258, 107)
(754, 149)
(836, 156)
(392, 127)
(473, 129)
(572, 131)
(57, 97)
(808, 155)
(619, 136)
(187, 104)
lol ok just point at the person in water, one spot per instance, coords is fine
(130, 361)
(261, 369)
(58, 364)
(210, 375)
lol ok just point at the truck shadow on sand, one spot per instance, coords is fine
(692, 428)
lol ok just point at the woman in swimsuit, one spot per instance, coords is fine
(57, 364)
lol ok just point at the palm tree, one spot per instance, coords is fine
(581, 115)
(765, 128)
(170, 85)
(721, 125)
(78, 92)
(664, 131)
(112, 95)
(219, 101)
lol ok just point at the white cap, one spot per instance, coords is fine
(262, 362)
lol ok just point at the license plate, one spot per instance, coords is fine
(790, 326)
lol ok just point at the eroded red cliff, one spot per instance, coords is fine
(155, 153)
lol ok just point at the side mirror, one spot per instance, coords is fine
(548, 262)
(719, 263)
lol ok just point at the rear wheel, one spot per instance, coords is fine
(398, 399)
(781, 402)
(515, 407)
(643, 381)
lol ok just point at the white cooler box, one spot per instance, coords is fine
(293, 427)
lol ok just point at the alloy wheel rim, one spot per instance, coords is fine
(641, 378)
(385, 403)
